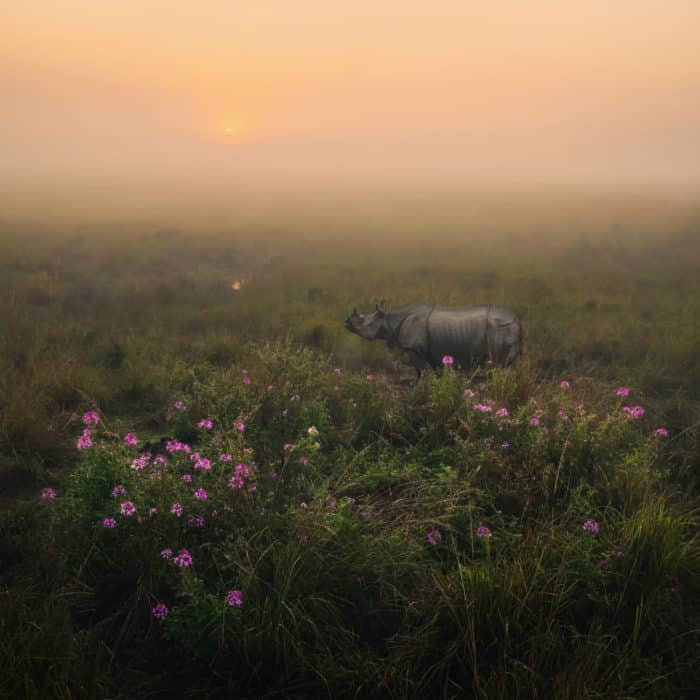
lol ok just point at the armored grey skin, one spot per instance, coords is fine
(473, 336)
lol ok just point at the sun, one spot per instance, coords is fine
(233, 129)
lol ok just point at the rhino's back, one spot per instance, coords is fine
(473, 335)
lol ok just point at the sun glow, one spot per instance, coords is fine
(233, 129)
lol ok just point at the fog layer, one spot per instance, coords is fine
(133, 100)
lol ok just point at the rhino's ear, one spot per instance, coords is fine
(354, 311)
(380, 308)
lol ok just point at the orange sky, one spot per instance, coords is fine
(517, 91)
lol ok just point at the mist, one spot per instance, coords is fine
(161, 112)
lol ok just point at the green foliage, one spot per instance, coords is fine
(326, 534)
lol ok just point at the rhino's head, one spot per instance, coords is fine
(371, 326)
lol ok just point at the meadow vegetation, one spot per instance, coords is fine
(219, 493)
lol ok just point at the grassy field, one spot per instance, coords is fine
(495, 535)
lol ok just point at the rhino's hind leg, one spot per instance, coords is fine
(513, 355)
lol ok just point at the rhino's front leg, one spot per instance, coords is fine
(418, 362)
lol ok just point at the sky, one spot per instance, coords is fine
(369, 93)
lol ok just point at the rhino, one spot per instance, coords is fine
(472, 336)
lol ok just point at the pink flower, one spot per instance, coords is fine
(200, 495)
(180, 406)
(187, 478)
(235, 482)
(128, 508)
(202, 463)
(303, 460)
(84, 441)
(118, 490)
(468, 393)
(370, 377)
(295, 397)
(234, 598)
(448, 360)
(152, 512)
(176, 509)
(661, 432)
(502, 412)
(288, 446)
(636, 412)
(205, 424)
(564, 384)
(337, 370)
(247, 380)
(434, 536)
(174, 446)
(161, 461)
(505, 445)
(591, 526)
(91, 418)
(160, 611)
(483, 533)
(535, 421)
(563, 415)
(622, 391)
(242, 470)
(109, 523)
(48, 494)
(225, 457)
(270, 387)
(130, 439)
(183, 559)
(166, 554)
(141, 462)
(239, 425)
(482, 408)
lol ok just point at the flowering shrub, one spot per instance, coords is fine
(305, 500)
